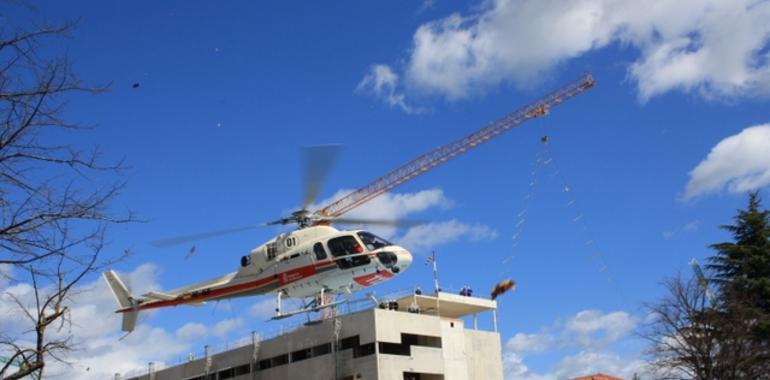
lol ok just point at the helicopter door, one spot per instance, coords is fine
(320, 252)
(344, 246)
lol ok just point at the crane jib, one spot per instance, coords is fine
(443, 153)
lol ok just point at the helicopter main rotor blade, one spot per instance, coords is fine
(165, 243)
(379, 222)
(318, 161)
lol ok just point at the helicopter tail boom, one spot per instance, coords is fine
(126, 302)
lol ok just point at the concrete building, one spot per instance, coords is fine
(377, 343)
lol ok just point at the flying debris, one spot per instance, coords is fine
(544, 139)
(190, 253)
(502, 287)
(135, 85)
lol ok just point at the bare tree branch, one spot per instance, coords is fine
(690, 338)
(54, 200)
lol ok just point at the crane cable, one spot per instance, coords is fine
(521, 216)
(545, 158)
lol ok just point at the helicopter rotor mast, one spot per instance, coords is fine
(443, 153)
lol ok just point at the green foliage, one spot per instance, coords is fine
(731, 339)
(741, 269)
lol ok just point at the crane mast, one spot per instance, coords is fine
(443, 153)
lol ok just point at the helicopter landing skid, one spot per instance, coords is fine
(306, 310)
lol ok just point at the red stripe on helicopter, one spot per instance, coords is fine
(204, 294)
(296, 274)
(284, 278)
(373, 278)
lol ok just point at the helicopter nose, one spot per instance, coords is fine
(404, 259)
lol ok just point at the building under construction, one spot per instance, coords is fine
(415, 337)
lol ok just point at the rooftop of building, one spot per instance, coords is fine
(598, 376)
(445, 305)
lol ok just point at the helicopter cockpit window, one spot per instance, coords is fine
(373, 241)
(344, 245)
(320, 252)
(348, 246)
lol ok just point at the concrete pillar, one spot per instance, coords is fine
(254, 353)
(151, 370)
(207, 355)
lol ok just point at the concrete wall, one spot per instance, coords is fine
(454, 347)
(463, 355)
(484, 356)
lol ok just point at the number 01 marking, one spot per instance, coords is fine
(291, 241)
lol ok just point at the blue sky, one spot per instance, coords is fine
(229, 93)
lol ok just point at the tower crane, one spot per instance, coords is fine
(438, 156)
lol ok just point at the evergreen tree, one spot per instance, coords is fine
(741, 268)
(732, 340)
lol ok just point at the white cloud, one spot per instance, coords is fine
(6, 271)
(523, 343)
(514, 368)
(102, 357)
(191, 331)
(398, 206)
(426, 236)
(587, 362)
(584, 344)
(95, 329)
(692, 226)
(593, 329)
(710, 47)
(392, 207)
(263, 310)
(687, 228)
(739, 163)
(224, 327)
(383, 83)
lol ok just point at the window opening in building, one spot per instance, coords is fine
(279, 360)
(349, 342)
(226, 374)
(322, 349)
(298, 356)
(407, 341)
(363, 350)
(241, 370)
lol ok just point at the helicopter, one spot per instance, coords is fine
(317, 261)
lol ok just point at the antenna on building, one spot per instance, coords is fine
(432, 260)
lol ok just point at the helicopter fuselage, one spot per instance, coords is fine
(299, 264)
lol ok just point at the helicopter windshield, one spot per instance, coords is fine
(373, 241)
